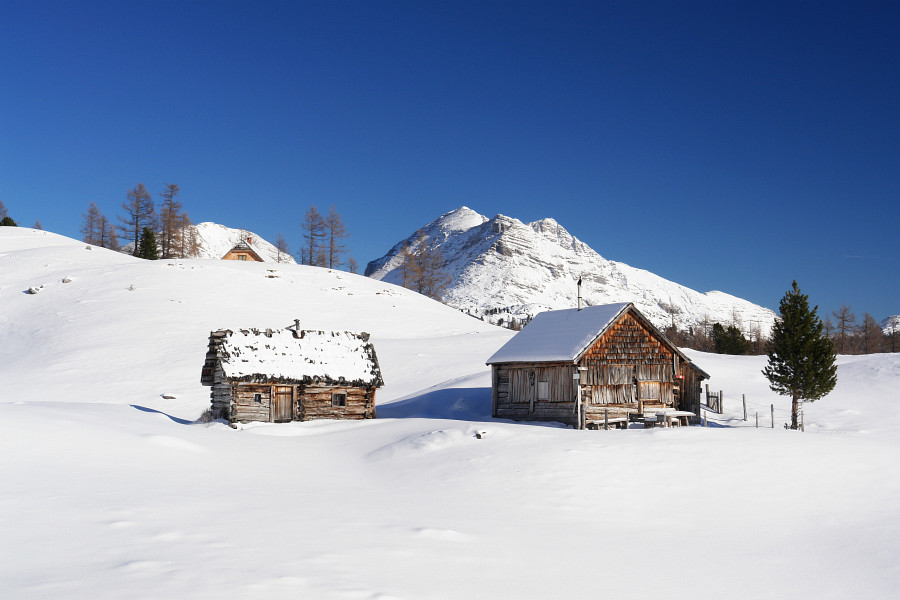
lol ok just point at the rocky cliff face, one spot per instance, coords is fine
(506, 269)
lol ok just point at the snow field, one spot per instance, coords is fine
(109, 491)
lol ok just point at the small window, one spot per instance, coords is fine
(339, 399)
(257, 398)
(242, 257)
(543, 390)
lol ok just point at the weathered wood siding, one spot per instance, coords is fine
(625, 365)
(530, 392)
(316, 402)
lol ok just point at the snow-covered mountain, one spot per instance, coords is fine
(890, 324)
(509, 269)
(215, 240)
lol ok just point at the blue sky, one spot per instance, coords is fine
(729, 146)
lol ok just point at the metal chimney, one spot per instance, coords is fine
(579, 293)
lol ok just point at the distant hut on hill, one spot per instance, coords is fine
(291, 374)
(244, 250)
(584, 367)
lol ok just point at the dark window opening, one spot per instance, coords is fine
(339, 399)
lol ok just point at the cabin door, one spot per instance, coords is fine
(282, 404)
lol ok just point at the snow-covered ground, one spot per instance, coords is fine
(108, 490)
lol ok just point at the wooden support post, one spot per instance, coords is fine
(606, 419)
(705, 422)
(757, 419)
(773, 415)
(721, 403)
(801, 421)
(744, 398)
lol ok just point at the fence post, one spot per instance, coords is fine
(705, 422)
(773, 415)
(744, 398)
(802, 428)
(757, 419)
(721, 402)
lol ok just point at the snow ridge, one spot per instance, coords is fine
(505, 268)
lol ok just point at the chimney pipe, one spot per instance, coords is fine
(579, 293)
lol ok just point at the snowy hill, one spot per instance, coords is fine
(110, 491)
(506, 268)
(215, 240)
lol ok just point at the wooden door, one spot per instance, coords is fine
(283, 403)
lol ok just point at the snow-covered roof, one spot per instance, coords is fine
(329, 357)
(246, 246)
(558, 335)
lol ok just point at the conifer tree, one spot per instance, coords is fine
(281, 246)
(801, 358)
(147, 245)
(335, 232)
(313, 251)
(169, 221)
(90, 226)
(729, 340)
(140, 213)
(7, 221)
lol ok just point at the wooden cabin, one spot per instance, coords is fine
(290, 374)
(583, 367)
(244, 250)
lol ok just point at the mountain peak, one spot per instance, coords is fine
(502, 268)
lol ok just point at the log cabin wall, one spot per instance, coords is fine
(534, 392)
(318, 402)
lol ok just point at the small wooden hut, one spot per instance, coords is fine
(582, 367)
(291, 375)
(244, 250)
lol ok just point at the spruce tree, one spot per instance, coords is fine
(801, 358)
(147, 246)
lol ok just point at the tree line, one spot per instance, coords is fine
(8, 221)
(163, 233)
(848, 337)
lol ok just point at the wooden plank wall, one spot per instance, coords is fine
(516, 393)
(316, 403)
(626, 364)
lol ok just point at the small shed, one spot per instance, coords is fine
(580, 367)
(244, 250)
(289, 374)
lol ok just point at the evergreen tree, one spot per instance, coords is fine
(7, 221)
(729, 340)
(147, 245)
(801, 359)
